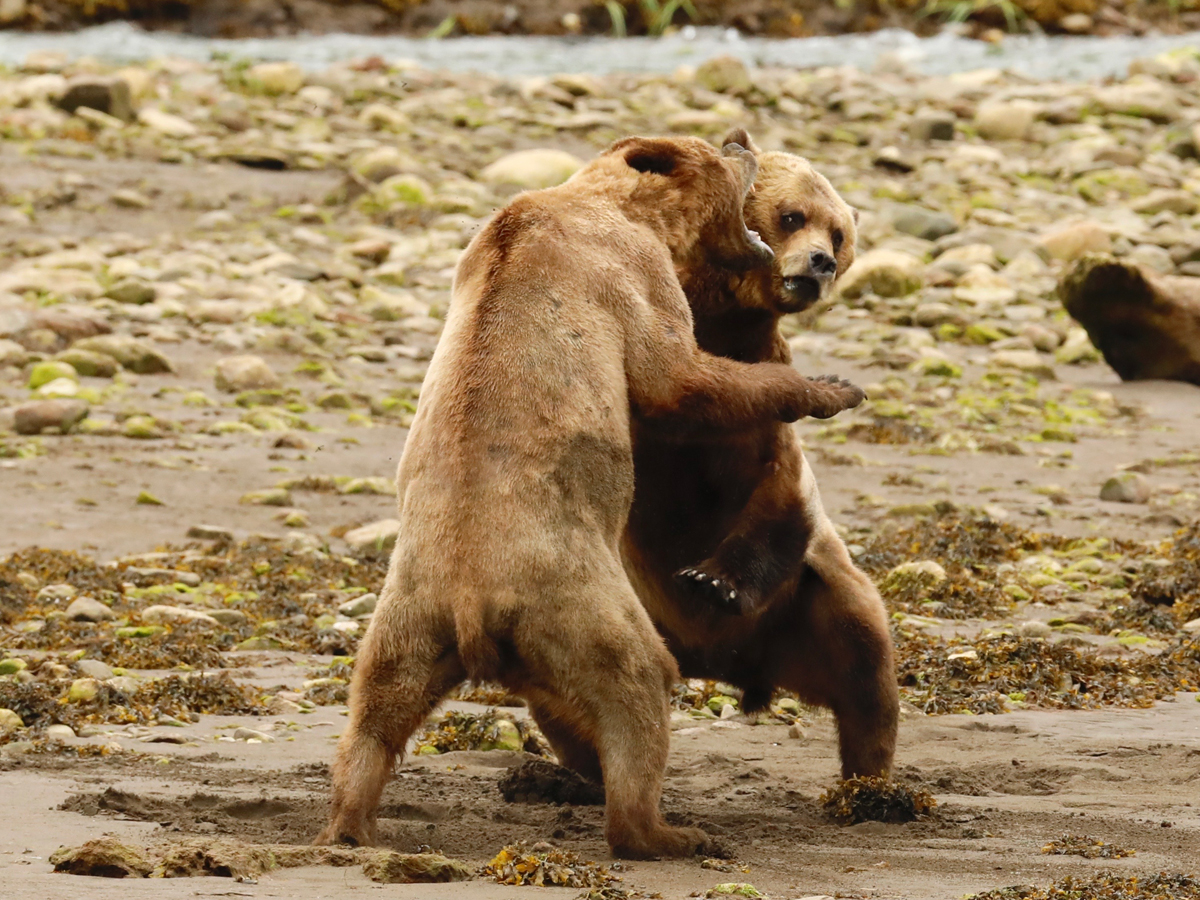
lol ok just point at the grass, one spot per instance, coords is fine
(656, 16)
(961, 10)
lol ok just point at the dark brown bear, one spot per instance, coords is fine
(775, 600)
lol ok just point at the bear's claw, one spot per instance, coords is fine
(716, 591)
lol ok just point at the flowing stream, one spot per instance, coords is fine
(1035, 56)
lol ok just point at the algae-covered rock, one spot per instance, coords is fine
(104, 857)
(389, 867)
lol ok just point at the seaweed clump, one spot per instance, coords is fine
(486, 693)
(1104, 886)
(543, 865)
(48, 702)
(983, 675)
(488, 730)
(1176, 584)
(872, 799)
(1087, 847)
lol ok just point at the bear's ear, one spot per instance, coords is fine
(854, 209)
(650, 155)
(741, 137)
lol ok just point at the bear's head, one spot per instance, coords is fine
(692, 194)
(811, 229)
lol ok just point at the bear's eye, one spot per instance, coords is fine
(792, 221)
(838, 238)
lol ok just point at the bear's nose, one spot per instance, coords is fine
(822, 263)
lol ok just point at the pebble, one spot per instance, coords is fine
(363, 605)
(1127, 487)
(88, 609)
(177, 615)
(376, 535)
(10, 722)
(249, 734)
(40, 415)
(245, 373)
(94, 668)
(531, 169)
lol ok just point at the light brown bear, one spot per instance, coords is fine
(728, 544)
(567, 321)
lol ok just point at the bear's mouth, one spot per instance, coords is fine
(802, 290)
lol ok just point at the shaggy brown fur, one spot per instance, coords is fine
(776, 601)
(567, 320)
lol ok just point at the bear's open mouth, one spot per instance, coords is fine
(802, 290)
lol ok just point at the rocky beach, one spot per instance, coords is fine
(220, 286)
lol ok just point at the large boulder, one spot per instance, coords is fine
(1146, 325)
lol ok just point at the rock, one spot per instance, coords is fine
(10, 722)
(1182, 203)
(359, 606)
(105, 857)
(13, 11)
(166, 124)
(504, 735)
(389, 867)
(210, 533)
(55, 593)
(1024, 360)
(12, 665)
(145, 498)
(921, 222)
(1147, 326)
(45, 372)
(88, 363)
(94, 668)
(1006, 120)
(1070, 242)
(83, 690)
(933, 125)
(129, 352)
(177, 615)
(277, 77)
(60, 732)
(925, 571)
(531, 169)
(1141, 96)
(724, 75)
(888, 273)
(375, 484)
(141, 427)
(12, 354)
(267, 497)
(383, 163)
(249, 734)
(132, 290)
(379, 536)
(110, 96)
(36, 417)
(230, 618)
(1128, 487)
(245, 373)
(88, 609)
(1034, 629)
(1191, 627)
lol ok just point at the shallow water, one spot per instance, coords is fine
(1035, 56)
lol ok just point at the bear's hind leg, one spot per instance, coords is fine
(601, 667)
(834, 649)
(573, 749)
(397, 683)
